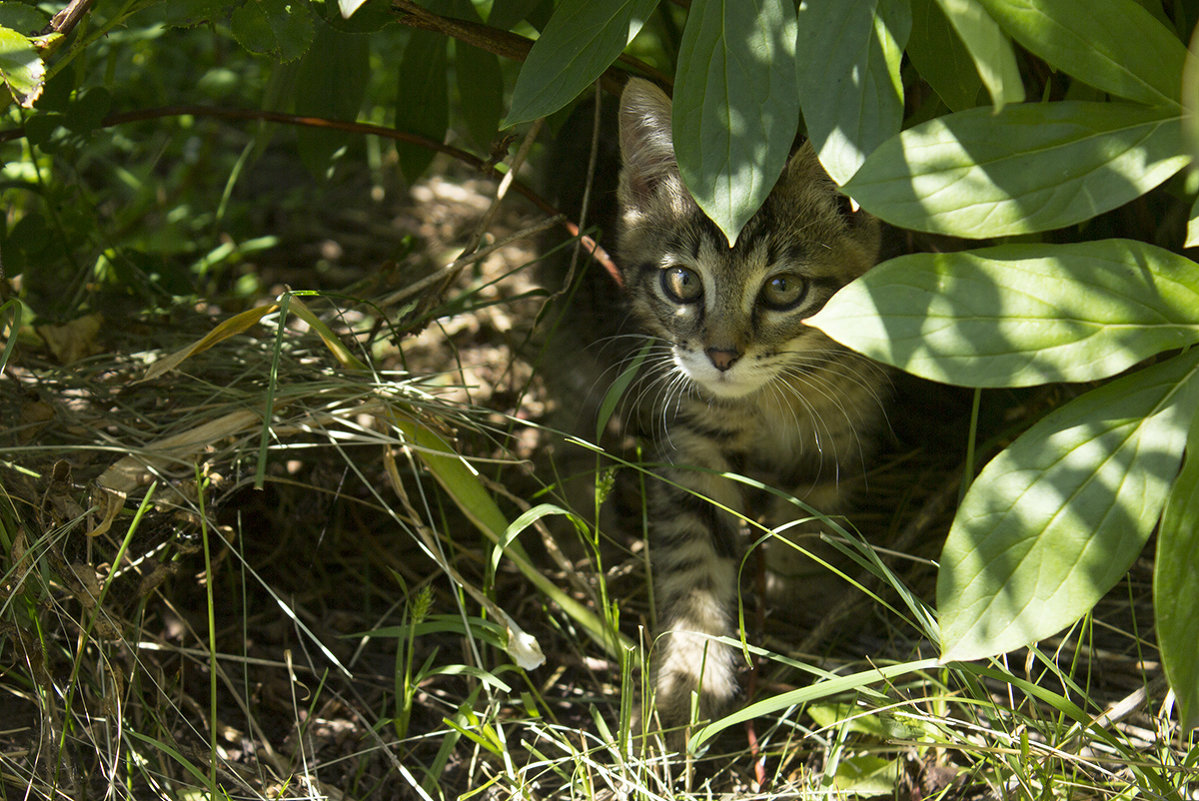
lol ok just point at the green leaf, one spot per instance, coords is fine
(849, 84)
(21, 68)
(40, 127)
(423, 105)
(866, 775)
(330, 84)
(517, 527)
(481, 90)
(989, 48)
(1176, 586)
(939, 56)
(89, 109)
(363, 18)
(735, 105)
(619, 387)
(580, 41)
(1027, 168)
(22, 18)
(186, 13)
(1054, 521)
(1114, 45)
(1018, 315)
(279, 28)
(506, 13)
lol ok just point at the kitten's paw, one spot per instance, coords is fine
(693, 665)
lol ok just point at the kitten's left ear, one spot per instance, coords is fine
(646, 144)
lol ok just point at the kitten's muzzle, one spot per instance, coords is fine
(723, 358)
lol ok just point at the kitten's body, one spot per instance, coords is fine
(735, 383)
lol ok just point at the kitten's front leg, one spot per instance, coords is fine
(798, 560)
(694, 548)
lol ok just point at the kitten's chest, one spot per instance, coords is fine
(770, 441)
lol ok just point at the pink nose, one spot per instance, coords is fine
(723, 358)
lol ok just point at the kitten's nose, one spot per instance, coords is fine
(723, 358)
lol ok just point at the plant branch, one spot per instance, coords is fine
(65, 21)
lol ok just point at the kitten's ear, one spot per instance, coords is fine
(646, 144)
(805, 169)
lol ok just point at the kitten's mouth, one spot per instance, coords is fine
(726, 388)
(730, 384)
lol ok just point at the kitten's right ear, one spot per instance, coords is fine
(646, 144)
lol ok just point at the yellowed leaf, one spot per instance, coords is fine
(235, 325)
(131, 471)
(75, 340)
(332, 342)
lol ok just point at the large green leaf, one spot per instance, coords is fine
(940, 57)
(22, 18)
(21, 68)
(423, 104)
(1114, 45)
(1176, 586)
(330, 83)
(1029, 167)
(580, 41)
(1054, 521)
(736, 107)
(848, 57)
(989, 48)
(1017, 315)
(481, 89)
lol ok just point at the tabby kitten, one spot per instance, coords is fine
(742, 385)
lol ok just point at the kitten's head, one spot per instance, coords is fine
(733, 316)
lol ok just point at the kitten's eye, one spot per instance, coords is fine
(682, 285)
(784, 291)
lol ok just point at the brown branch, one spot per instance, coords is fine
(65, 21)
(486, 167)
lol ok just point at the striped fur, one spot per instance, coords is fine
(736, 383)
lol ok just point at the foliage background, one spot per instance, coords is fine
(164, 158)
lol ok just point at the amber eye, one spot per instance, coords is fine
(682, 285)
(784, 291)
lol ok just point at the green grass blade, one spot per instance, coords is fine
(468, 492)
(812, 692)
(618, 389)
